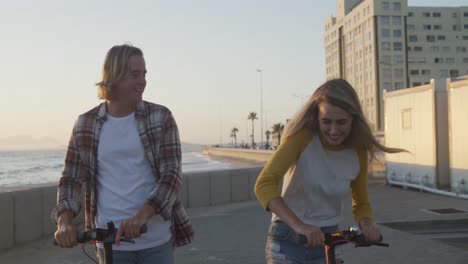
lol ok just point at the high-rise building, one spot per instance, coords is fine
(387, 45)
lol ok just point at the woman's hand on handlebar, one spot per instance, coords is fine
(314, 235)
(369, 230)
(65, 236)
(131, 227)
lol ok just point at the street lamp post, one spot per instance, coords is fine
(261, 107)
(220, 129)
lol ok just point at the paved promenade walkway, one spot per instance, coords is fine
(236, 234)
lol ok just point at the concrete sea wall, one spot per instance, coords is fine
(25, 212)
(376, 167)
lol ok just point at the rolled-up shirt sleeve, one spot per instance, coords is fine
(69, 186)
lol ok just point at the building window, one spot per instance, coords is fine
(385, 20)
(465, 26)
(415, 84)
(455, 28)
(465, 37)
(387, 73)
(426, 14)
(454, 15)
(450, 60)
(385, 60)
(417, 48)
(396, 20)
(430, 38)
(398, 59)
(410, 14)
(397, 33)
(398, 85)
(440, 37)
(410, 26)
(425, 72)
(397, 46)
(396, 6)
(445, 49)
(385, 32)
(406, 118)
(465, 60)
(398, 73)
(436, 14)
(465, 14)
(454, 73)
(437, 27)
(443, 73)
(434, 48)
(427, 27)
(414, 72)
(461, 49)
(438, 60)
(386, 46)
(412, 38)
(385, 6)
(387, 86)
(421, 60)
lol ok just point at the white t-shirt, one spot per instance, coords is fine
(124, 181)
(315, 187)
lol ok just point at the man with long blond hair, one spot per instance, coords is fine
(325, 151)
(127, 154)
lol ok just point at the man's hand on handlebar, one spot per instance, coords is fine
(65, 236)
(131, 227)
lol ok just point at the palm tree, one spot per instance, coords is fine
(234, 131)
(232, 136)
(278, 128)
(267, 134)
(252, 116)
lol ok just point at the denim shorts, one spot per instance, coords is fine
(282, 249)
(163, 254)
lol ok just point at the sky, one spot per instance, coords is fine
(201, 55)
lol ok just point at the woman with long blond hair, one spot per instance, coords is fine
(325, 151)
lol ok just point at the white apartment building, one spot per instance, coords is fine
(385, 44)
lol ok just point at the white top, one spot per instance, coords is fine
(315, 187)
(125, 179)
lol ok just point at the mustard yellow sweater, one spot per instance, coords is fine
(316, 177)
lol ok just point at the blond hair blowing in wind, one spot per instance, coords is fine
(340, 93)
(114, 68)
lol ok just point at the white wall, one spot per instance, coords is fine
(417, 135)
(458, 116)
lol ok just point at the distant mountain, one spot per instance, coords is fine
(26, 142)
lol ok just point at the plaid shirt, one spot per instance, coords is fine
(160, 137)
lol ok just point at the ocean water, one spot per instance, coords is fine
(18, 168)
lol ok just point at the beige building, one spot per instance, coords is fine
(387, 45)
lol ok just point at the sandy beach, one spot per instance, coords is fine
(237, 163)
